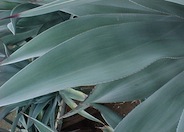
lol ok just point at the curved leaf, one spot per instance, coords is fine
(17, 9)
(4, 5)
(109, 116)
(162, 6)
(109, 6)
(56, 35)
(111, 55)
(181, 2)
(180, 126)
(40, 126)
(139, 85)
(73, 105)
(160, 112)
(74, 94)
(54, 6)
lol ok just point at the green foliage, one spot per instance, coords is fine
(128, 49)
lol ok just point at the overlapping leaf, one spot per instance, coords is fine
(54, 6)
(102, 7)
(110, 56)
(138, 86)
(41, 44)
(160, 112)
(163, 6)
(180, 126)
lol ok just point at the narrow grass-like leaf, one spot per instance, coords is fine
(40, 126)
(44, 42)
(50, 112)
(110, 56)
(23, 122)
(7, 109)
(36, 111)
(138, 86)
(73, 105)
(160, 112)
(15, 122)
(109, 116)
(180, 126)
(76, 110)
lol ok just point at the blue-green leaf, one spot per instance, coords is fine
(158, 113)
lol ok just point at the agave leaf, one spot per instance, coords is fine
(110, 116)
(50, 111)
(40, 126)
(22, 120)
(74, 94)
(54, 6)
(73, 105)
(17, 9)
(4, 5)
(3, 130)
(180, 126)
(42, 19)
(16, 1)
(15, 122)
(76, 110)
(107, 129)
(181, 2)
(101, 7)
(7, 109)
(3, 15)
(162, 6)
(41, 45)
(138, 86)
(19, 37)
(4, 31)
(105, 57)
(36, 111)
(44, 98)
(6, 72)
(160, 112)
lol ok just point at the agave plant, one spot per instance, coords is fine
(128, 49)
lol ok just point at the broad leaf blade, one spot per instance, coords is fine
(160, 112)
(180, 126)
(138, 86)
(44, 42)
(105, 57)
(54, 6)
(181, 2)
(109, 6)
(162, 6)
